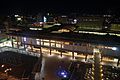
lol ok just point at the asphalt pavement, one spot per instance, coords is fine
(52, 64)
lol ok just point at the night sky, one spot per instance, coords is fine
(59, 6)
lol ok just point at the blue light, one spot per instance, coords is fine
(62, 73)
(65, 76)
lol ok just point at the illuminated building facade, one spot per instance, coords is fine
(67, 43)
(90, 22)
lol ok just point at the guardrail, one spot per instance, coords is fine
(22, 51)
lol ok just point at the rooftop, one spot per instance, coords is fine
(70, 36)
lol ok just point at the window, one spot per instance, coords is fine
(37, 41)
(24, 39)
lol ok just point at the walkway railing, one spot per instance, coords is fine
(22, 51)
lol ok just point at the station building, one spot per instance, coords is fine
(62, 39)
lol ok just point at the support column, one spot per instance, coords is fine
(43, 42)
(86, 57)
(118, 62)
(31, 44)
(12, 41)
(73, 52)
(50, 46)
(17, 42)
(55, 44)
(73, 55)
(61, 50)
(24, 44)
(40, 47)
(101, 58)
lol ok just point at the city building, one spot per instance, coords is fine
(81, 38)
(90, 22)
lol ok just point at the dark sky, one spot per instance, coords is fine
(59, 6)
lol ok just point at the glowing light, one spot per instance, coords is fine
(101, 74)
(38, 42)
(65, 76)
(62, 73)
(114, 48)
(2, 65)
(48, 14)
(45, 19)
(60, 57)
(16, 15)
(96, 50)
(24, 39)
(106, 27)
(50, 55)
(19, 19)
(75, 21)
(57, 24)
(72, 59)
(41, 22)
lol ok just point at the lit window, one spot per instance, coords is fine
(37, 40)
(46, 44)
(45, 40)
(64, 30)
(75, 21)
(67, 43)
(114, 48)
(24, 39)
(19, 19)
(58, 45)
(16, 15)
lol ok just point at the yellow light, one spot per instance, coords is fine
(101, 74)
(60, 57)
(93, 73)
(19, 19)
(101, 70)
(92, 78)
(88, 77)
(93, 65)
(50, 55)
(72, 59)
(100, 66)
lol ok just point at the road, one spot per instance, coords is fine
(52, 64)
